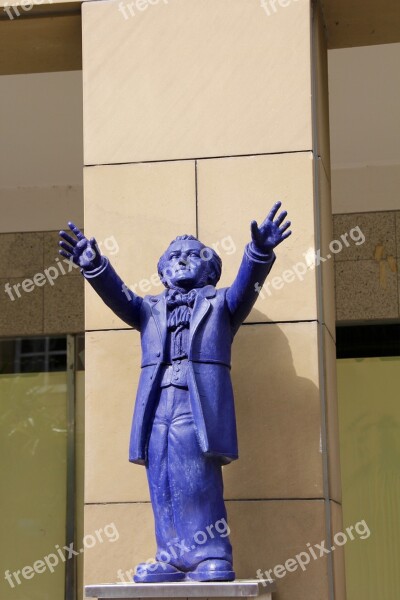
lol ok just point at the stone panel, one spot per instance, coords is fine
(278, 412)
(112, 376)
(332, 420)
(321, 88)
(136, 210)
(328, 246)
(264, 535)
(234, 191)
(195, 79)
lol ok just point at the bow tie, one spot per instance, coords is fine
(176, 299)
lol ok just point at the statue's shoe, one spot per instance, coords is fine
(157, 572)
(213, 569)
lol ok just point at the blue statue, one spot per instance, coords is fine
(183, 427)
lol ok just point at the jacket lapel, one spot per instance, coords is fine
(200, 309)
(159, 312)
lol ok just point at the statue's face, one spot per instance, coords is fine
(184, 266)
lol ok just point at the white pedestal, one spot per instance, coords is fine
(240, 588)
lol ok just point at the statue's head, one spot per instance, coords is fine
(188, 264)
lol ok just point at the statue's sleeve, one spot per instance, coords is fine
(244, 291)
(112, 290)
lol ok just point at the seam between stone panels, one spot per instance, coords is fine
(316, 499)
(330, 334)
(196, 198)
(279, 322)
(243, 325)
(328, 178)
(110, 329)
(169, 160)
(336, 502)
(313, 499)
(118, 502)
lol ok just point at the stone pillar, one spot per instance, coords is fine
(198, 116)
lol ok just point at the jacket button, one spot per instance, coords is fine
(158, 353)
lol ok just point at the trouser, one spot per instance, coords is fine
(186, 488)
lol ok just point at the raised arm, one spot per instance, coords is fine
(257, 262)
(98, 271)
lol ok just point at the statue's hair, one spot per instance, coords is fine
(212, 274)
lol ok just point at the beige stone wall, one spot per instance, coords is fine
(197, 117)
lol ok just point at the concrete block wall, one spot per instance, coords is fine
(367, 273)
(44, 296)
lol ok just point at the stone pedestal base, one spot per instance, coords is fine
(240, 588)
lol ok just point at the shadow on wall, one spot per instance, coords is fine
(275, 377)
(275, 372)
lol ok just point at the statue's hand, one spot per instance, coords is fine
(272, 231)
(83, 252)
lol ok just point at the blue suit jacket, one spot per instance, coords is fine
(216, 317)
